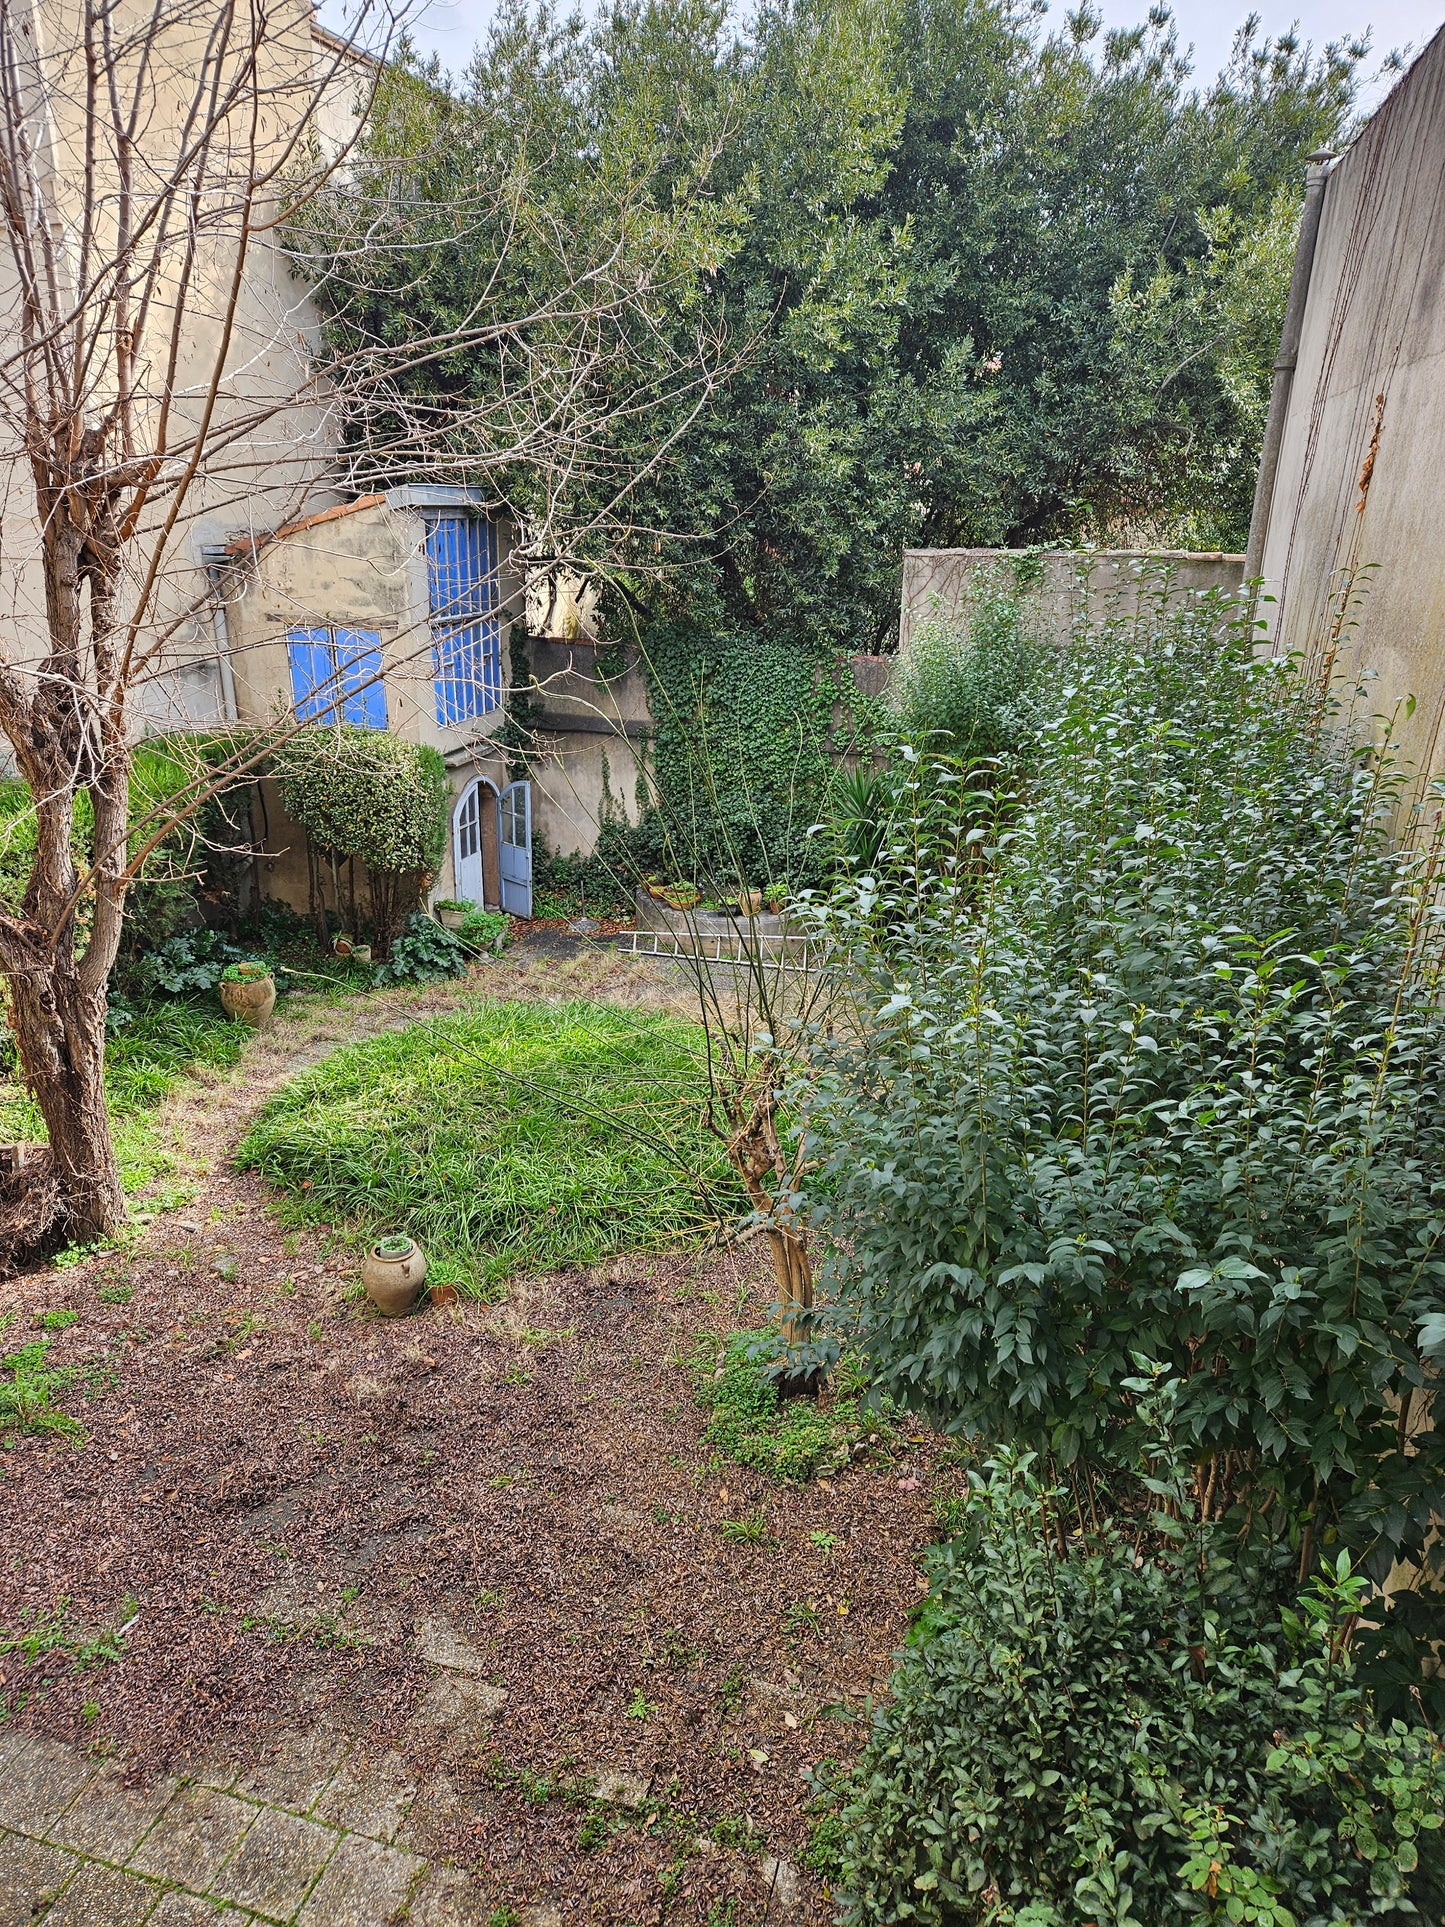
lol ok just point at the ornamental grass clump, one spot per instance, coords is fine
(1152, 1057)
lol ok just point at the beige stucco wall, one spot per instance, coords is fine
(1371, 373)
(1061, 587)
(363, 567)
(277, 462)
(590, 739)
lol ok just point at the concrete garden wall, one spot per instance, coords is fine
(1359, 493)
(1060, 586)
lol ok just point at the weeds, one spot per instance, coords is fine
(790, 1439)
(42, 1635)
(28, 1391)
(57, 1321)
(801, 1618)
(752, 1531)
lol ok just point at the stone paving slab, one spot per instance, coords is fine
(369, 1795)
(296, 1772)
(276, 1864)
(90, 1851)
(39, 1782)
(195, 1837)
(100, 1896)
(364, 1884)
(30, 1873)
(108, 1817)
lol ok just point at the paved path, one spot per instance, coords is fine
(318, 1836)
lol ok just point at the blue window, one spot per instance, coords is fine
(466, 634)
(337, 671)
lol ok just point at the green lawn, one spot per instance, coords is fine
(144, 1062)
(513, 1137)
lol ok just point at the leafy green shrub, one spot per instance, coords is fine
(1168, 1073)
(788, 1438)
(425, 953)
(192, 960)
(365, 793)
(1110, 1727)
(513, 1137)
(972, 686)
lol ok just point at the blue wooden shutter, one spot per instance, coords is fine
(358, 664)
(466, 631)
(313, 674)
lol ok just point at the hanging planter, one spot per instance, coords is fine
(248, 993)
(393, 1272)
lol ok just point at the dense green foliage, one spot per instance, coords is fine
(365, 793)
(1084, 1732)
(165, 775)
(510, 1138)
(974, 280)
(1157, 1065)
(425, 953)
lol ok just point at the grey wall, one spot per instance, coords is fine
(1359, 499)
(1110, 586)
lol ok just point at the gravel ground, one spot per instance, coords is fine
(286, 1495)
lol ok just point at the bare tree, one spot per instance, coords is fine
(161, 372)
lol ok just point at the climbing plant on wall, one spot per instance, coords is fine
(748, 732)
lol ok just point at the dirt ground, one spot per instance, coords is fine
(287, 1498)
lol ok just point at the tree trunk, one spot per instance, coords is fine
(757, 1155)
(60, 1035)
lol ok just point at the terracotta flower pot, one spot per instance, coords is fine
(249, 1000)
(393, 1272)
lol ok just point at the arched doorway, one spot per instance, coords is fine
(474, 844)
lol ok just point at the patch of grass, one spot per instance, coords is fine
(752, 1531)
(144, 1061)
(116, 1294)
(28, 1391)
(790, 1439)
(510, 1138)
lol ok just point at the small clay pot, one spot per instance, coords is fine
(451, 919)
(441, 1295)
(249, 1000)
(393, 1272)
(361, 953)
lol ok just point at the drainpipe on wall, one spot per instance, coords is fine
(1284, 366)
(215, 560)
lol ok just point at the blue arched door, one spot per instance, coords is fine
(515, 845)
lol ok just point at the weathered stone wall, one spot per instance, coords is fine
(1359, 496)
(1059, 587)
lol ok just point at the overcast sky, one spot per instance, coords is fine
(452, 27)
